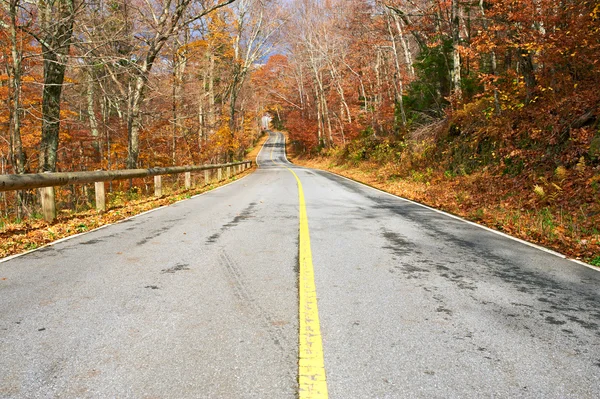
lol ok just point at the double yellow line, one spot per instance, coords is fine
(312, 383)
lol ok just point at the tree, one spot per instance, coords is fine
(162, 23)
(14, 73)
(55, 31)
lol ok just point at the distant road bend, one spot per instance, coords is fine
(201, 300)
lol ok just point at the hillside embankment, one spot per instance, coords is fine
(521, 194)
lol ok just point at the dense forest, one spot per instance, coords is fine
(485, 101)
(486, 108)
(91, 85)
(512, 71)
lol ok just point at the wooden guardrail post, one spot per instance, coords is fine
(47, 182)
(158, 186)
(100, 196)
(48, 203)
(188, 180)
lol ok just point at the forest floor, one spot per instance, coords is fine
(33, 233)
(538, 213)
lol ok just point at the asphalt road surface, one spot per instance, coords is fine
(200, 300)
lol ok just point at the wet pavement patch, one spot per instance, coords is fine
(177, 268)
(442, 309)
(90, 242)
(155, 234)
(398, 244)
(247, 213)
(552, 320)
(213, 238)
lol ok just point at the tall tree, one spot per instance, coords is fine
(15, 74)
(162, 23)
(56, 20)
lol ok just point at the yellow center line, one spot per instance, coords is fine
(312, 383)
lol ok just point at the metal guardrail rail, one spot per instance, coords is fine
(47, 181)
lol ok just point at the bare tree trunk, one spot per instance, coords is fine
(174, 112)
(404, 41)
(17, 155)
(206, 117)
(211, 97)
(56, 43)
(180, 59)
(104, 109)
(202, 113)
(320, 126)
(493, 61)
(233, 96)
(134, 119)
(335, 76)
(92, 118)
(455, 73)
(325, 119)
(398, 84)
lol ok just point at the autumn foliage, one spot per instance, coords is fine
(488, 109)
(137, 91)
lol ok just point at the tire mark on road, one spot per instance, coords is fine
(245, 214)
(244, 295)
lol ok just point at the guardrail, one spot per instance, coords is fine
(47, 181)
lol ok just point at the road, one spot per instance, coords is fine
(200, 300)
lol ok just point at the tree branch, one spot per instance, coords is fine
(208, 11)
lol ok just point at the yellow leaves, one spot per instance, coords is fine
(539, 191)
(66, 113)
(580, 167)
(595, 14)
(532, 47)
(193, 47)
(561, 172)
